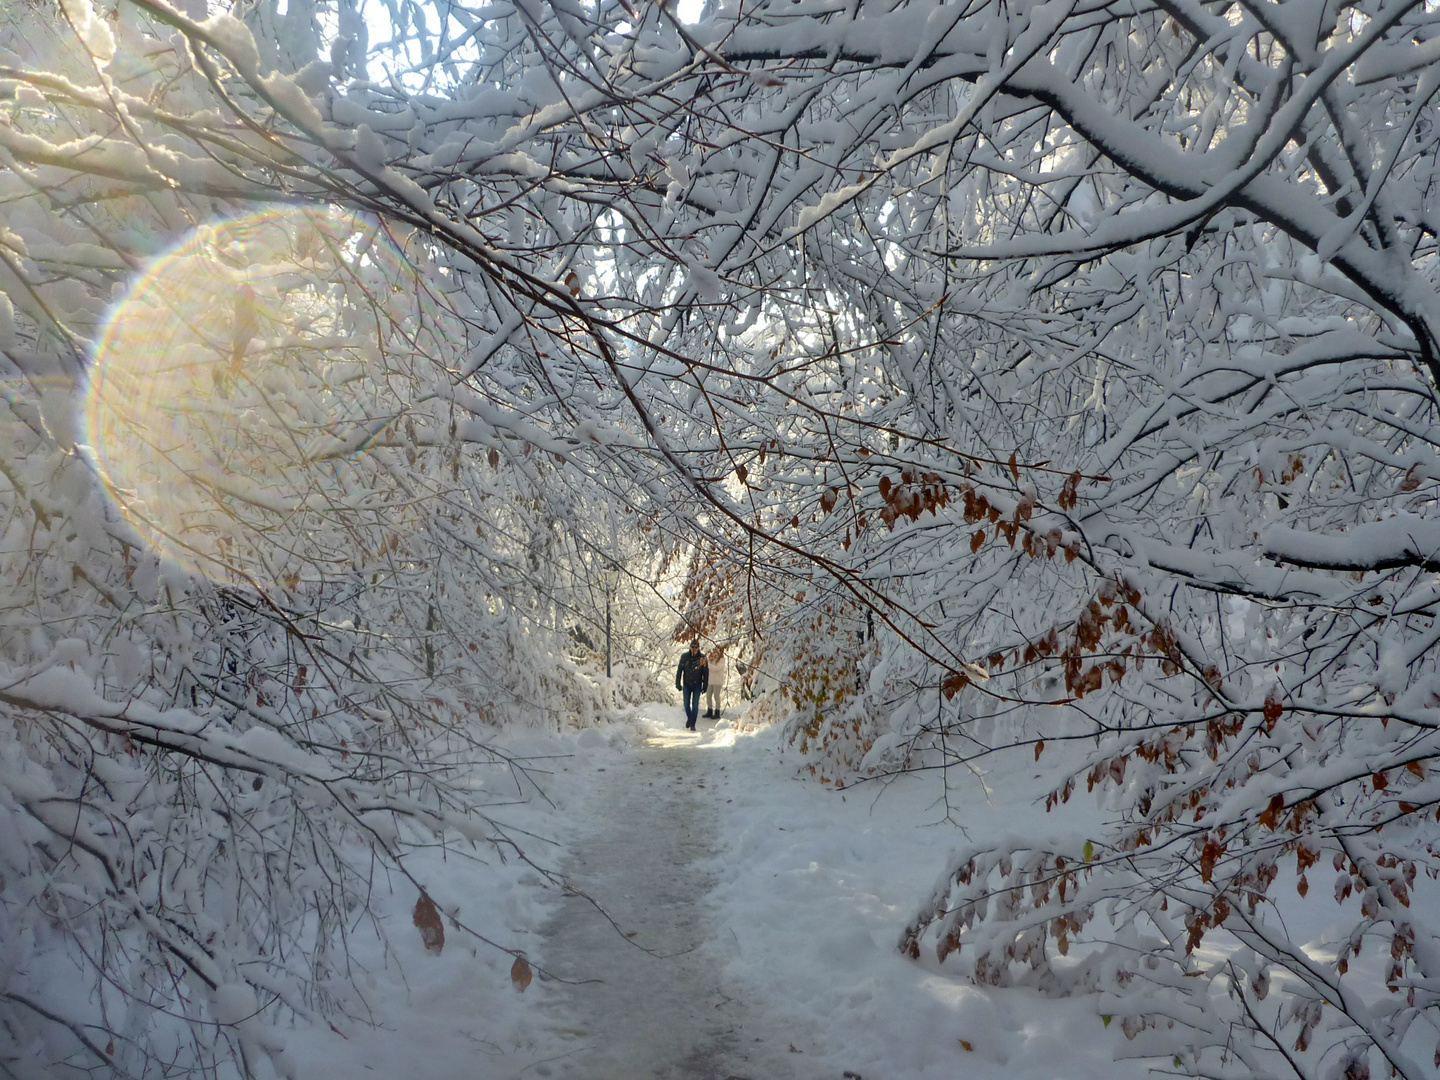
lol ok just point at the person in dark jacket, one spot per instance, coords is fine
(691, 679)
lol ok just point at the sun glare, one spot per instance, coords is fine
(238, 392)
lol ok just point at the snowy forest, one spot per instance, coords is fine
(1049, 382)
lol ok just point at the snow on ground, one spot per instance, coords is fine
(793, 944)
(816, 886)
(458, 1016)
(645, 997)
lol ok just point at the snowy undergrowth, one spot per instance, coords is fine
(816, 886)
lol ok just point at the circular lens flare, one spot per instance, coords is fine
(244, 394)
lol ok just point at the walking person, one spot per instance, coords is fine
(716, 663)
(692, 676)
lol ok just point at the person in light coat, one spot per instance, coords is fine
(718, 666)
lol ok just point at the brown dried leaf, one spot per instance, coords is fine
(1069, 490)
(1270, 816)
(1210, 854)
(1272, 709)
(520, 973)
(427, 920)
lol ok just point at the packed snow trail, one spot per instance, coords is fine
(666, 1013)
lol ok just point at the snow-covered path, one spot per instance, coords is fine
(770, 907)
(648, 1003)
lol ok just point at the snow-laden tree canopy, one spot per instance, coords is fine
(1018, 373)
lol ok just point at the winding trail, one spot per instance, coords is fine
(667, 1013)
